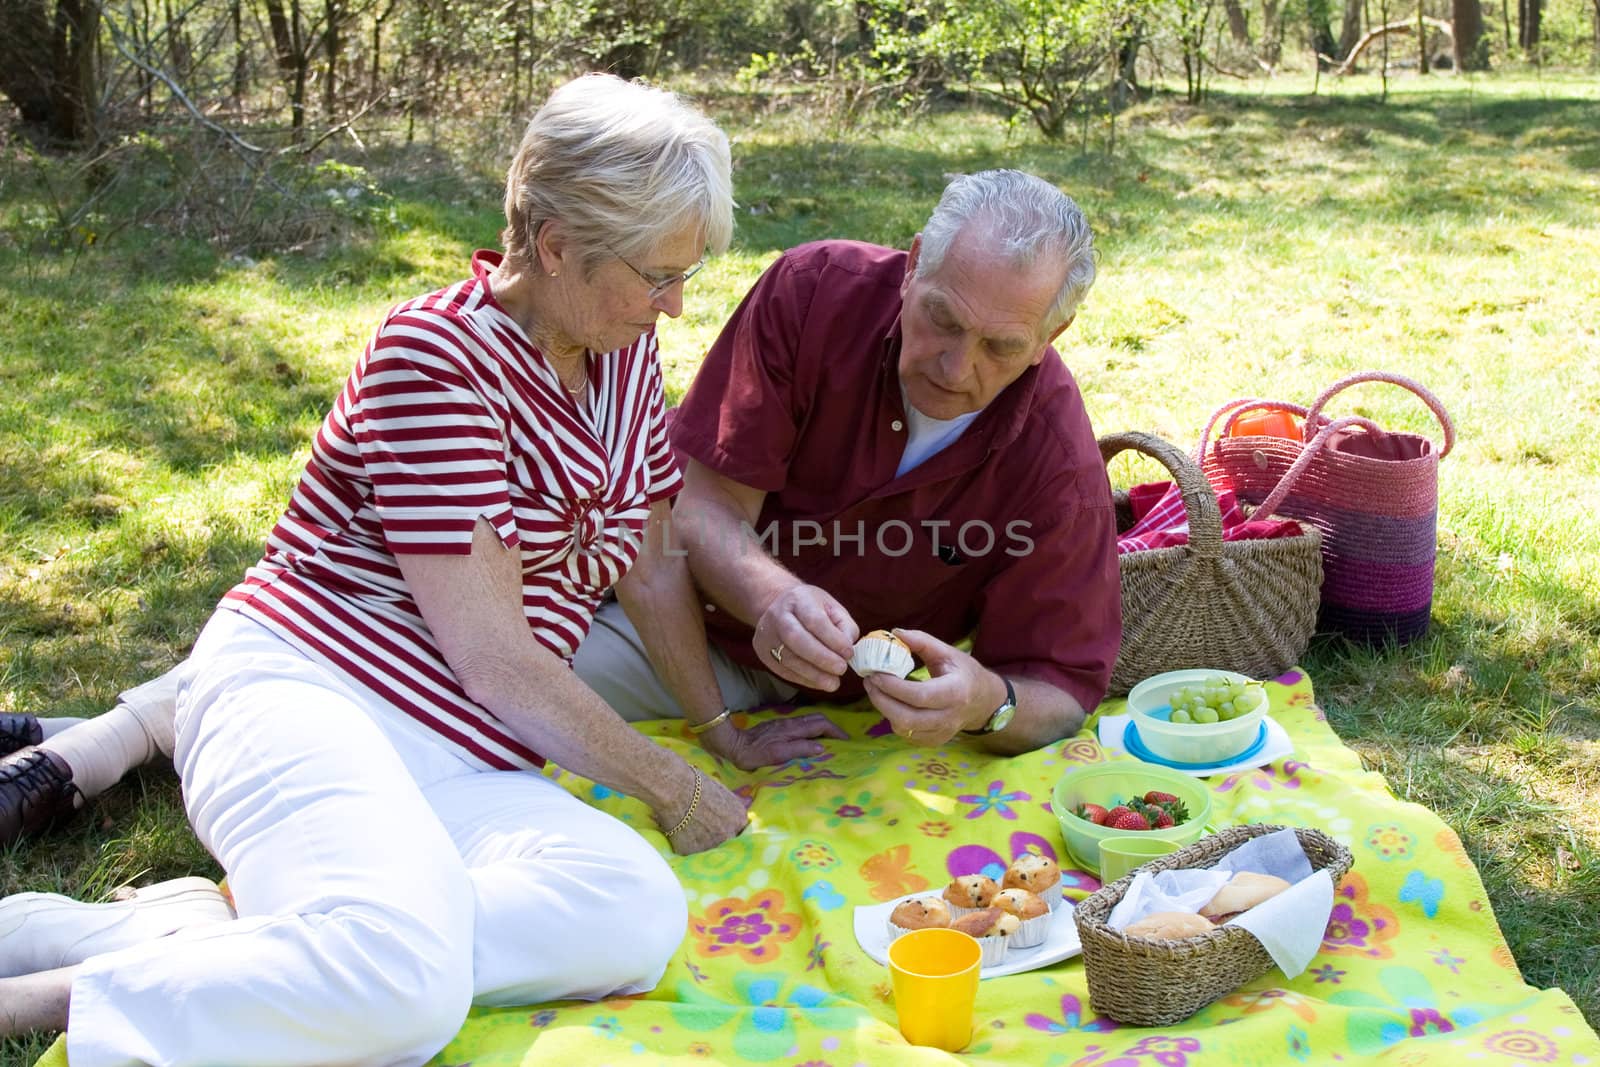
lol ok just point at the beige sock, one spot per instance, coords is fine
(50, 725)
(103, 749)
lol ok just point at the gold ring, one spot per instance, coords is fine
(777, 652)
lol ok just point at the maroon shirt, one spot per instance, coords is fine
(1009, 530)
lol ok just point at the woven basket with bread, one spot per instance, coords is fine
(1165, 975)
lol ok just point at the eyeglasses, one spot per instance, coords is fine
(659, 283)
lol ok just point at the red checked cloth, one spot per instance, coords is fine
(1159, 520)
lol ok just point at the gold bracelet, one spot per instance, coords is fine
(701, 727)
(694, 802)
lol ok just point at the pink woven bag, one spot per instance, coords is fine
(1373, 494)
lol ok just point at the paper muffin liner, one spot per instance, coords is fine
(1032, 932)
(993, 948)
(874, 655)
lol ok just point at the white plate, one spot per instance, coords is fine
(1112, 728)
(872, 932)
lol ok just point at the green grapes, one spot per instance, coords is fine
(1214, 699)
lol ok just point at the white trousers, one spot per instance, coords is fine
(382, 883)
(612, 661)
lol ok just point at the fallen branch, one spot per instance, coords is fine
(119, 39)
(346, 125)
(1409, 26)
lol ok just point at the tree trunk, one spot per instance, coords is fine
(290, 56)
(48, 65)
(1350, 28)
(1529, 14)
(241, 83)
(1422, 41)
(25, 71)
(332, 12)
(1471, 50)
(1239, 22)
(1271, 32)
(180, 50)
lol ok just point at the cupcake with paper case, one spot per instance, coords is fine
(918, 913)
(1037, 874)
(1033, 916)
(993, 929)
(881, 652)
(968, 893)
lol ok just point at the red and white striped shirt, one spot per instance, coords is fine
(452, 414)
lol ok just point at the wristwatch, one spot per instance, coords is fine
(1002, 715)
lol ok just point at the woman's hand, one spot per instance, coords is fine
(718, 815)
(773, 742)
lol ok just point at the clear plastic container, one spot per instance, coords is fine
(1107, 783)
(1149, 703)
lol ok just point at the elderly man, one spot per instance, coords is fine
(883, 439)
(878, 439)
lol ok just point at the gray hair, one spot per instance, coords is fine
(1030, 220)
(623, 167)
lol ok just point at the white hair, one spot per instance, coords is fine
(1028, 218)
(623, 167)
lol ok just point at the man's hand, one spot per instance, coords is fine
(771, 743)
(806, 637)
(960, 693)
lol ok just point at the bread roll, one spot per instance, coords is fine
(1169, 926)
(1242, 892)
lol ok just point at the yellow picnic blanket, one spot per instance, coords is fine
(1413, 969)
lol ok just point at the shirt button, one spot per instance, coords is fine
(897, 426)
(711, 607)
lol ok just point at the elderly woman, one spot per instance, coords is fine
(359, 726)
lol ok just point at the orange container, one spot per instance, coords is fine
(1266, 424)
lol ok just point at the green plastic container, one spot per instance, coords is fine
(1107, 783)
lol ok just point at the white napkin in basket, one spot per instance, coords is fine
(1290, 926)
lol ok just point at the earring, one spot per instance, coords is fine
(554, 273)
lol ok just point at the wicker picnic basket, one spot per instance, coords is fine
(1373, 493)
(1245, 606)
(1157, 983)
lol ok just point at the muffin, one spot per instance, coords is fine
(970, 892)
(919, 913)
(881, 652)
(1033, 916)
(993, 929)
(1038, 875)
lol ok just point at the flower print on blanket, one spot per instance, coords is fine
(769, 971)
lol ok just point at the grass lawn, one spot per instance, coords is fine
(157, 398)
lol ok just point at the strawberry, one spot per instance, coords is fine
(1156, 796)
(1095, 813)
(1163, 821)
(1117, 813)
(1129, 821)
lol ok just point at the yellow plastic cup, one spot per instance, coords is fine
(1119, 855)
(935, 978)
